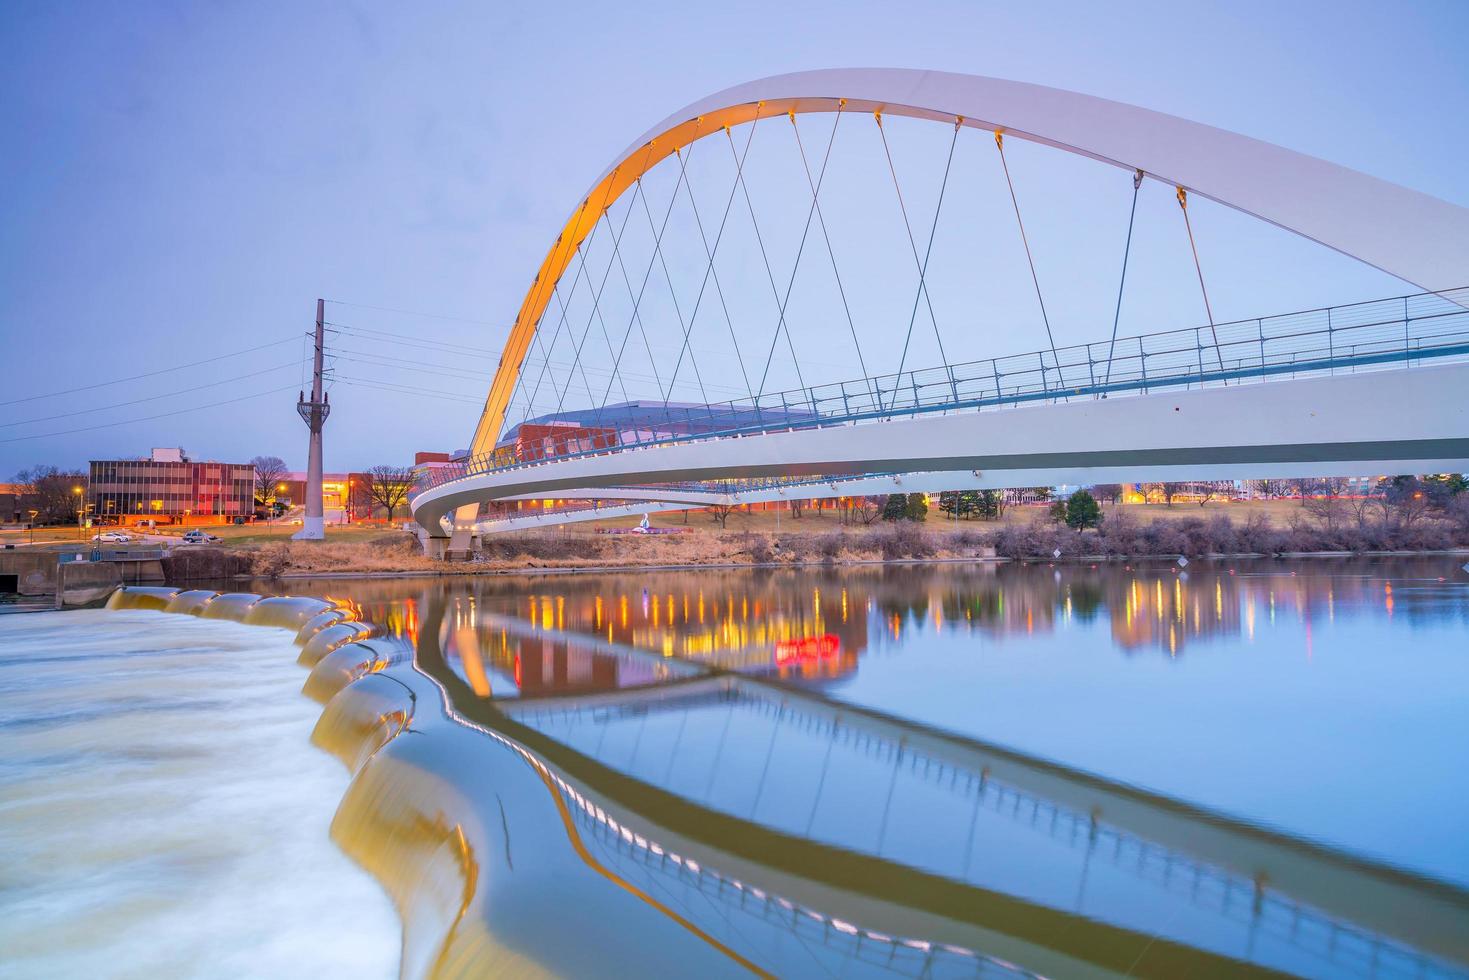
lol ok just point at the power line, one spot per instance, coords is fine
(405, 389)
(431, 316)
(150, 398)
(149, 418)
(149, 374)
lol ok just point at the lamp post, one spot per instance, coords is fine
(77, 492)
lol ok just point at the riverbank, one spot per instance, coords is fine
(1120, 537)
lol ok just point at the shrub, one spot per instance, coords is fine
(270, 562)
(903, 540)
(829, 546)
(757, 548)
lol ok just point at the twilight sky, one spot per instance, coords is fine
(181, 181)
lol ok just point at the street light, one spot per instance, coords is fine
(77, 492)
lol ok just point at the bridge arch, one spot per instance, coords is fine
(1413, 236)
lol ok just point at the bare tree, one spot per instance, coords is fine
(1170, 490)
(54, 492)
(721, 512)
(1270, 488)
(1331, 512)
(867, 510)
(389, 486)
(1302, 487)
(1110, 493)
(269, 472)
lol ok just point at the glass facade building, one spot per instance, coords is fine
(126, 491)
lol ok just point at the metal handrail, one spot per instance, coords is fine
(1405, 330)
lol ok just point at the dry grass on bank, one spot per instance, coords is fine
(1125, 532)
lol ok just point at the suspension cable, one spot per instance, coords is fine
(576, 364)
(686, 328)
(711, 272)
(922, 292)
(1025, 240)
(556, 334)
(636, 297)
(638, 301)
(785, 301)
(821, 219)
(1183, 206)
(760, 240)
(1137, 183)
(596, 313)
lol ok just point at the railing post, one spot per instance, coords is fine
(1199, 350)
(1406, 362)
(1142, 359)
(1330, 344)
(1260, 332)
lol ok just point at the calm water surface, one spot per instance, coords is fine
(1052, 769)
(1219, 770)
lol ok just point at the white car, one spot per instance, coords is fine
(199, 537)
(111, 537)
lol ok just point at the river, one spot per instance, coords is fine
(1215, 769)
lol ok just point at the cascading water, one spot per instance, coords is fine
(161, 812)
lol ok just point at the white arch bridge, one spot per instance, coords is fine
(1357, 389)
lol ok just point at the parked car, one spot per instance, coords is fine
(199, 537)
(111, 537)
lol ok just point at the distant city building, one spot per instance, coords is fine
(168, 487)
(16, 503)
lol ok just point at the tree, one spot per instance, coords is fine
(389, 485)
(867, 510)
(1110, 493)
(269, 472)
(990, 504)
(721, 512)
(1270, 488)
(949, 503)
(1169, 491)
(896, 507)
(1082, 511)
(1302, 487)
(54, 492)
(1057, 511)
(917, 508)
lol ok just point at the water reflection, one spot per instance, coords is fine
(713, 744)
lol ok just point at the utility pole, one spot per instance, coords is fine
(314, 413)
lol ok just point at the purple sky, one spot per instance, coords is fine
(183, 180)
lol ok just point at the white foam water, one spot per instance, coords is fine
(162, 812)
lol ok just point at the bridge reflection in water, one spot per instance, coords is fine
(679, 728)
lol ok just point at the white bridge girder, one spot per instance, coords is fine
(1404, 421)
(656, 500)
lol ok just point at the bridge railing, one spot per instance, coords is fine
(1401, 331)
